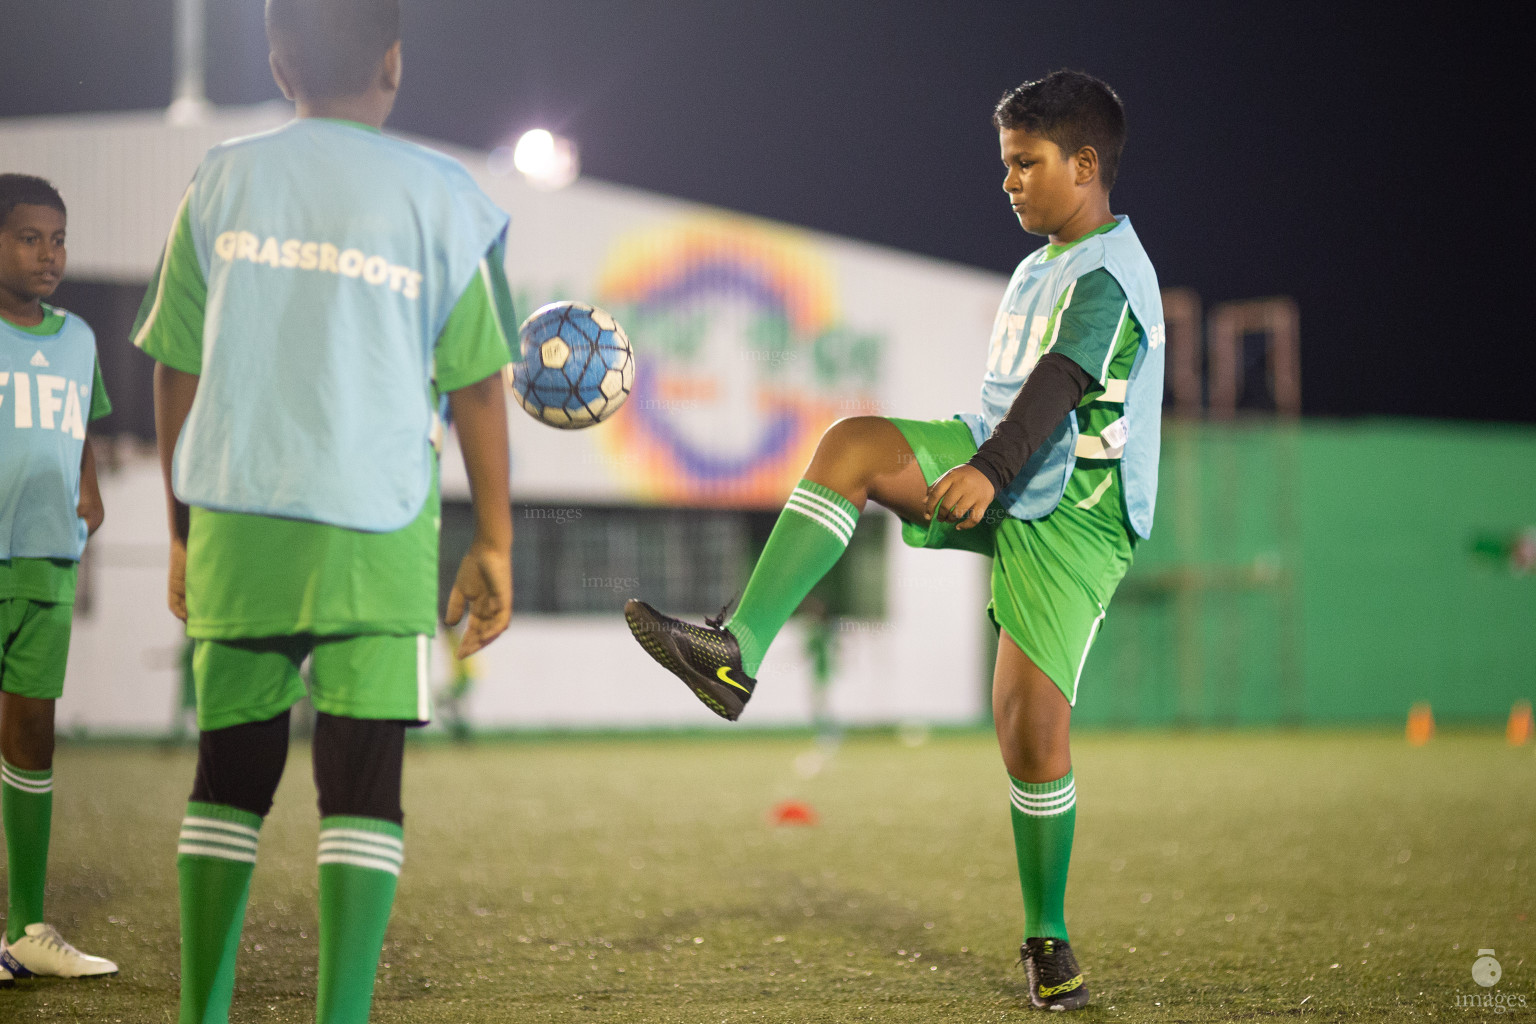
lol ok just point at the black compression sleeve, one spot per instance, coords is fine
(1053, 389)
(241, 765)
(358, 766)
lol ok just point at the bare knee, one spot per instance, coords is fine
(1032, 716)
(851, 441)
(1035, 748)
(855, 450)
(26, 731)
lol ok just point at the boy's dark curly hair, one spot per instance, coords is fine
(26, 190)
(1073, 110)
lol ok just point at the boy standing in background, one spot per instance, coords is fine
(50, 386)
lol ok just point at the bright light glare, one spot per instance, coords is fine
(545, 159)
(535, 151)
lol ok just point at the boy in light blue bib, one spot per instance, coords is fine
(323, 286)
(50, 390)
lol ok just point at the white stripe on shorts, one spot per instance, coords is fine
(423, 691)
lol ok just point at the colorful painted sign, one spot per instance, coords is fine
(743, 360)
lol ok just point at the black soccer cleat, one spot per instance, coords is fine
(707, 657)
(1055, 980)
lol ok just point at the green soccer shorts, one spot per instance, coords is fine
(369, 676)
(34, 646)
(1052, 578)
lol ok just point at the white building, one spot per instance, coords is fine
(750, 337)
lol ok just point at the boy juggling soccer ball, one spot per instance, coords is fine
(50, 388)
(322, 285)
(1054, 480)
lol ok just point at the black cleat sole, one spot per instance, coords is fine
(1075, 1001)
(659, 642)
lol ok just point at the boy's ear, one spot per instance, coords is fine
(1086, 161)
(392, 68)
(279, 75)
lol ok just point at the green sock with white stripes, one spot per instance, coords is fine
(27, 799)
(360, 862)
(1044, 817)
(811, 535)
(214, 861)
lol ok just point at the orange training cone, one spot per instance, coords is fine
(792, 812)
(1421, 724)
(1520, 728)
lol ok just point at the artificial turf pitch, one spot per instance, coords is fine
(1331, 876)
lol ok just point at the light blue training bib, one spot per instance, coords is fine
(45, 405)
(333, 257)
(1032, 294)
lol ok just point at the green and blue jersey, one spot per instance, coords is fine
(1094, 300)
(50, 389)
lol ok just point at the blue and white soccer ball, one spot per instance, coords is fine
(577, 365)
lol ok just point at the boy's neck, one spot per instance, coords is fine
(362, 109)
(1090, 217)
(21, 312)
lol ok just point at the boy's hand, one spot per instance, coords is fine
(484, 582)
(484, 586)
(176, 583)
(959, 496)
(91, 510)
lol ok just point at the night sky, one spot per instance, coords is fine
(1365, 163)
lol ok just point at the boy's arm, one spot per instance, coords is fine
(169, 328)
(1053, 389)
(469, 356)
(1087, 326)
(484, 582)
(174, 392)
(90, 508)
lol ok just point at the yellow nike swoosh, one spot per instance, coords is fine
(723, 674)
(1066, 986)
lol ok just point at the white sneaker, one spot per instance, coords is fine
(42, 951)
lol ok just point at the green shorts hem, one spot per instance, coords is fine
(371, 676)
(244, 629)
(227, 717)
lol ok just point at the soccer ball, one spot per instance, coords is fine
(577, 366)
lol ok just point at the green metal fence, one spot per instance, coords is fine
(1325, 572)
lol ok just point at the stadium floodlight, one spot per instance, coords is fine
(545, 159)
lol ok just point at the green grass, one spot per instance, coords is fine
(1332, 876)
